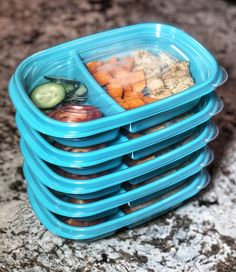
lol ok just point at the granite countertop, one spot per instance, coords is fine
(199, 236)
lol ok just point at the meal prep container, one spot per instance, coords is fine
(136, 173)
(149, 159)
(68, 60)
(120, 219)
(113, 153)
(58, 206)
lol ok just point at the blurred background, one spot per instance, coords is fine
(27, 27)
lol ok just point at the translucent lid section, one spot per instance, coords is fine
(68, 89)
(141, 76)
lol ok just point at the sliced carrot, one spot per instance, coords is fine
(138, 86)
(128, 95)
(133, 93)
(102, 77)
(127, 88)
(125, 105)
(123, 81)
(148, 99)
(114, 90)
(93, 65)
(135, 103)
(118, 99)
(137, 76)
(134, 135)
(128, 62)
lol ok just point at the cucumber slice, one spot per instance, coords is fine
(48, 95)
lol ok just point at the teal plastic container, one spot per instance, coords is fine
(68, 60)
(153, 157)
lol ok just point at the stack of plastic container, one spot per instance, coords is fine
(89, 179)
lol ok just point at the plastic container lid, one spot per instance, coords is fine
(70, 59)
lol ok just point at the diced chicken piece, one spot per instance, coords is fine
(155, 85)
(114, 90)
(128, 62)
(93, 66)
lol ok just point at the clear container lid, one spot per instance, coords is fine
(132, 78)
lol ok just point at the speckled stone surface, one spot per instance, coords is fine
(199, 236)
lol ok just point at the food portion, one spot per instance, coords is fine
(141, 78)
(48, 95)
(127, 209)
(80, 223)
(68, 175)
(79, 149)
(129, 186)
(81, 201)
(75, 113)
(163, 125)
(145, 132)
(131, 162)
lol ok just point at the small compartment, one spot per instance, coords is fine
(82, 198)
(153, 198)
(159, 118)
(139, 154)
(102, 168)
(81, 222)
(99, 194)
(67, 66)
(170, 168)
(143, 73)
